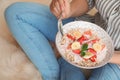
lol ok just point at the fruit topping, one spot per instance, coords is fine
(75, 45)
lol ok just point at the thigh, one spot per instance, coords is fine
(33, 41)
(32, 25)
(107, 72)
(37, 15)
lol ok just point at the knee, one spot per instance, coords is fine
(10, 14)
(10, 10)
(20, 8)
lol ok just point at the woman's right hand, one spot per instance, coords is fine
(61, 8)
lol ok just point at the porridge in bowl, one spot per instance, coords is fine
(84, 44)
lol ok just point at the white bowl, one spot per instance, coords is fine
(87, 25)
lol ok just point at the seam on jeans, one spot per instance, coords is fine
(21, 19)
(101, 74)
(114, 69)
(49, 17)
(37, 48)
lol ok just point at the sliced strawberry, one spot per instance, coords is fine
(70, 37)
(92, 51)
(88, 33)
(94, 40)
(93, 58)
(82, 39)
(77, 51)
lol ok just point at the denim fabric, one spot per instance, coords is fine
(107, 72)
(33, 26)
(69, 72)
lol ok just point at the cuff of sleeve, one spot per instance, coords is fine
(91, 3)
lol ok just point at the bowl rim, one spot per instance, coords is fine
(84, 67)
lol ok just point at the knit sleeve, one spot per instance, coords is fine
(91, 3)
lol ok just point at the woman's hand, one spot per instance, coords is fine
(61, 8)
(69, 9)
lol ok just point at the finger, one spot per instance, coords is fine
(63, 15)
(51, 5)
(57, 9)
(61, 4)
(57, 6)
(53, 8)
(66, 12)
(56, 12)
(66, 2)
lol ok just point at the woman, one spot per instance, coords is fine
(33, 26)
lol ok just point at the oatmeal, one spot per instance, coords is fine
(85, 47)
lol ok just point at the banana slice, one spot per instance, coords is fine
(97, 47)
(75, 45)
(88, 55)
(77, 34)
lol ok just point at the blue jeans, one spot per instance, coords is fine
(33, 26)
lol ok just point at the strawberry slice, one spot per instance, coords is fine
(88, 33)
(82, 39)
(94, 40)
(93, 58)
(70, 37)
(77, 51)
(92, 51)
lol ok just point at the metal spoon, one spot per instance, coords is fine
(60, 24)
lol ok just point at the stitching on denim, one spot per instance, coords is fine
(111, 66)
(101, 74)
(24, 21)
(38, 48)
